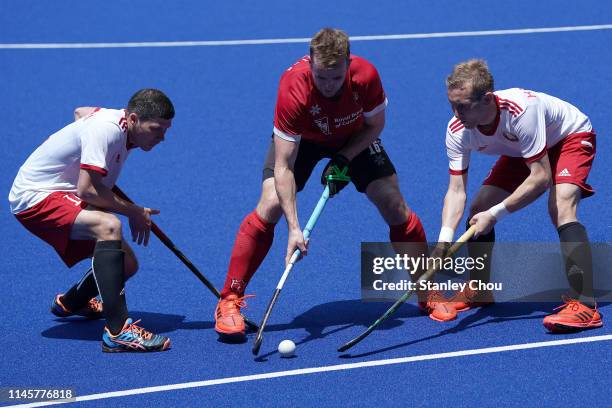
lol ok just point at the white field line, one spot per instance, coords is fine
(313, 370)
(302, 40)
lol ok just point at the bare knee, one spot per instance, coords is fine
(394, 209)
(269, 207)
(561, 212)
(386, 196)
(563, 204)
(109, 228)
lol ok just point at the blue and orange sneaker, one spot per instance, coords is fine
(573, 316)
(133, 338)
(92, 310)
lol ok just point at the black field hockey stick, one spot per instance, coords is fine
(309, 226)
(465, 237)
(170, 245)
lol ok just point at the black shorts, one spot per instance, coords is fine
(371, 164)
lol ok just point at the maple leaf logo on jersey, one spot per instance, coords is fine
(315, 110)
(323, 124)
(510, 137)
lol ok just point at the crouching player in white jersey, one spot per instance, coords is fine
(62, 194)
(544, 143)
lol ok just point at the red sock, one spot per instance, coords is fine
(410, 231)
(252, 244)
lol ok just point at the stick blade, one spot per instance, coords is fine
(357, 339)
(257, 345)
(345, 347)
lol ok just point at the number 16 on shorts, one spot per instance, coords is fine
(375, 147)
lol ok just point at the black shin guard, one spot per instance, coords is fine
(481, 247)
(108, 271)
(576, 250)
(78, 295)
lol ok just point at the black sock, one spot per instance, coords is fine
(78, 295)
(576, 250)
(108, 271)
(481, 247)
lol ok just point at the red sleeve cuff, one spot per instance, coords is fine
(457, 172)
(94, 168)
(537, 157)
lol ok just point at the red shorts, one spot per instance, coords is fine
(570, 162)
(51, 220)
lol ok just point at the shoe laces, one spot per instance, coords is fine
(569, 304)
(139, 331)
(234, 305)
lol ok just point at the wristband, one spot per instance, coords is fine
(499, 211)
(446, 234)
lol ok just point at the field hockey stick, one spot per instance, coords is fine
(170, 245)
(454, 248)
(309, 227)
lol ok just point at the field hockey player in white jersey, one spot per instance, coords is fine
(63, 195)
(544, 143)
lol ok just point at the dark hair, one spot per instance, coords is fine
(151, 104)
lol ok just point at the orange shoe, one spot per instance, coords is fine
(229, 323)
(438, 307)
(573, 316)
(469, 299)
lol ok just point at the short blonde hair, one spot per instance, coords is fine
(474, 73)
(330, 46)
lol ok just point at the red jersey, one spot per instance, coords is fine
(302, 112)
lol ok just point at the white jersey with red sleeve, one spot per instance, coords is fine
(303, 113)
(96, 142)
(527, 124)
